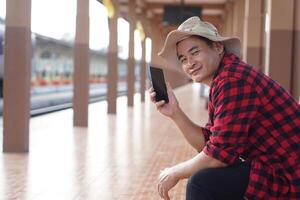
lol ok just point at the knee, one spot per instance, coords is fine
(195, 188)
(192, 182)
(199, 179)
(191, 185)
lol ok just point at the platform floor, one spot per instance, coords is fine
(118, 157)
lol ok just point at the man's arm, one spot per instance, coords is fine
(191, 131)
(200, 161)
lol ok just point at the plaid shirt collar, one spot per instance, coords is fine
(227, 59)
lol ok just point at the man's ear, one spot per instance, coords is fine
(219, 47)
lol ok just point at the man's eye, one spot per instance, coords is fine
(195, 52)
(183, 60)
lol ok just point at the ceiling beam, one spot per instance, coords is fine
(203, 6)
(148, 5)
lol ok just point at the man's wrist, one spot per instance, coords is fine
(180, 171)
(177, 114)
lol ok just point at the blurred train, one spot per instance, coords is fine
(52, 74)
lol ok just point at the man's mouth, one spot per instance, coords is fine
(195, 71)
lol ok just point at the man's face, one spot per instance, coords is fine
(199, 61)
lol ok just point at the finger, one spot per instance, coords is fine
(160, 192)
(169, 89)
(160, 103)
(152, 96)
(166, 194)
(163, 176)
(169, 86)
(151, 89)
(158, 189)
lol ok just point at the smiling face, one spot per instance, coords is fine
(199, 58)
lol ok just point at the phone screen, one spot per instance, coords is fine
(158, 83)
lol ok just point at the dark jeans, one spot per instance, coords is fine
(226, 183)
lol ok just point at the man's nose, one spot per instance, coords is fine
(191, 62)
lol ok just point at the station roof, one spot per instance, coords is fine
(159, 10)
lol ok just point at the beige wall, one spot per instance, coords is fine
(279, 41)
(296, 53)
(228, 22)
(238, 19)
(252, 44)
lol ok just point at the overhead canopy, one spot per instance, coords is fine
(169, 13)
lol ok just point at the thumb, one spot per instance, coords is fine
(167, 197)
(168, 85)
(169, 88)
(170, 91)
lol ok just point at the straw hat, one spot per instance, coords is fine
(194, 26)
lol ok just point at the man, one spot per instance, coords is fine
(250, 147)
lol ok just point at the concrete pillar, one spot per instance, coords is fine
(157, 43)
(17, 73)
(238, 19)
(296, 53)
(263, 44)
(228, 30)
(143, 72)
(252, 44)
(81, 65)
(131, 61)
(279, 41)
(112, 72)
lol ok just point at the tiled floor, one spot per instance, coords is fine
(116, 157)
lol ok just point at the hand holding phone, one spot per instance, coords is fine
(157, 80)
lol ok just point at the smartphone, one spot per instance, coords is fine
(156, 76)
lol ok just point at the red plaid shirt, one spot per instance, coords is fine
(252, 117)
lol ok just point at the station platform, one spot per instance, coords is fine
(118, 157)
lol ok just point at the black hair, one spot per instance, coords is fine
(206, 40)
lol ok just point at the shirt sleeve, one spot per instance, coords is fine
(206, 132)
(235, 106)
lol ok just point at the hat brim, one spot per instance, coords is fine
(169, 52)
